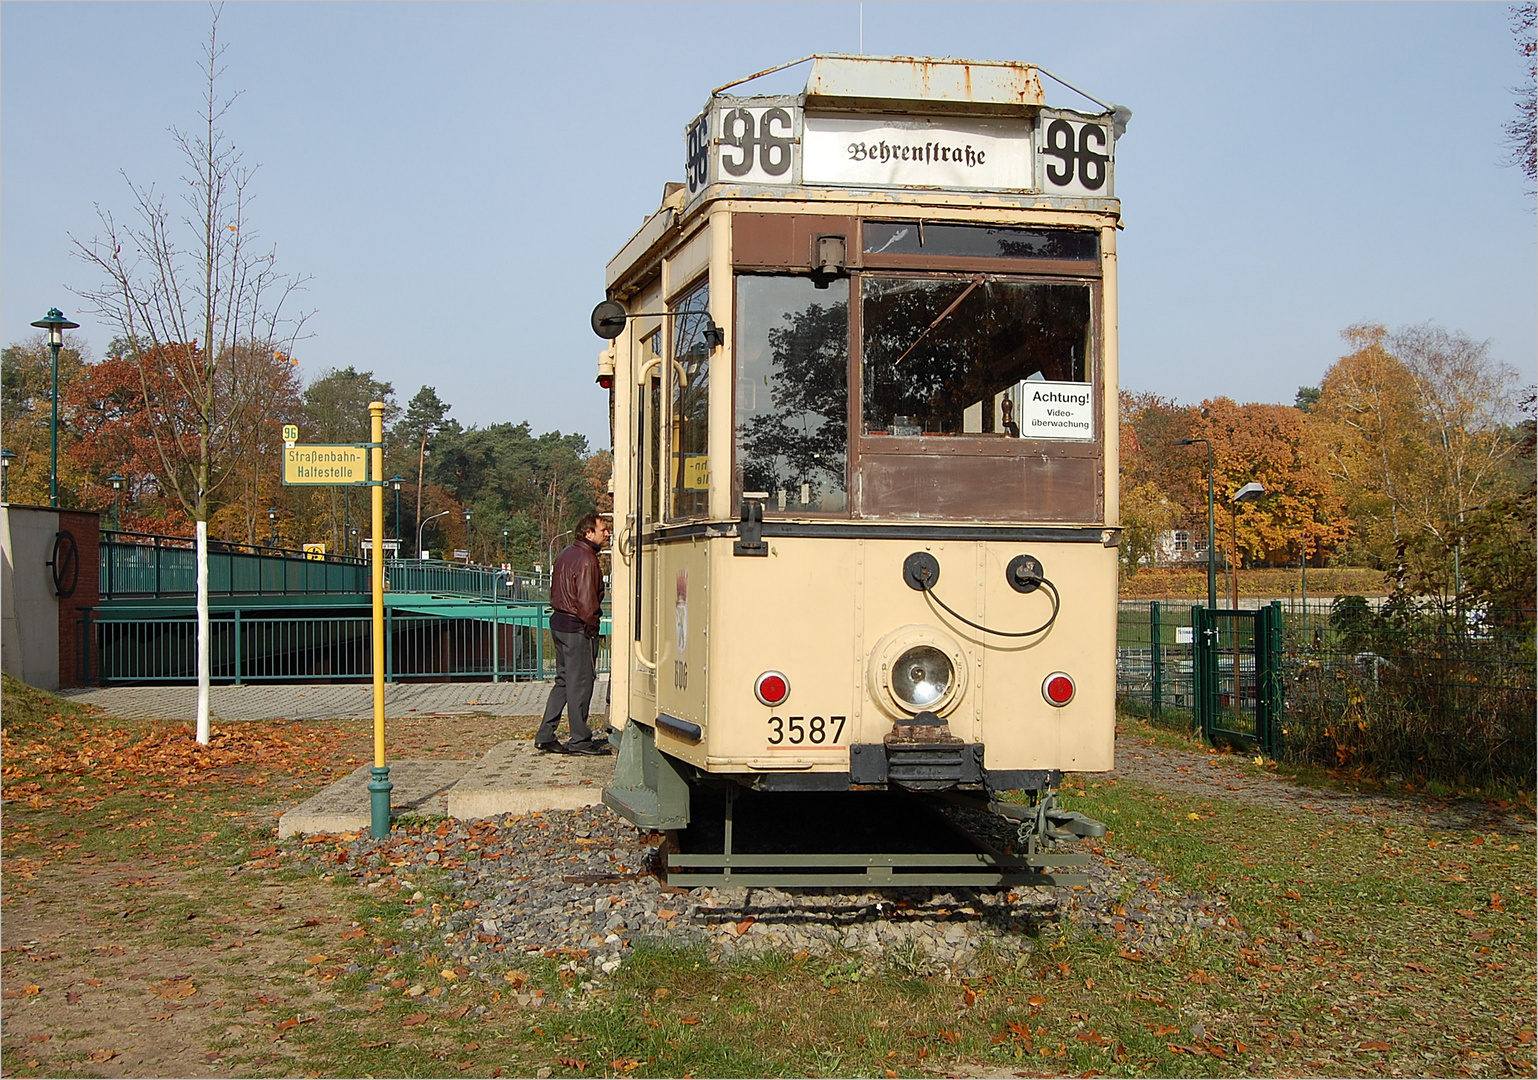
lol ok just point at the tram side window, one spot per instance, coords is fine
(651, 405)
(792, 392)
(690, 472)
(957, 355)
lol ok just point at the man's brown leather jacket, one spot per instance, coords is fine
(577, 584)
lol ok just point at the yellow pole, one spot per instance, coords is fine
(379, 787)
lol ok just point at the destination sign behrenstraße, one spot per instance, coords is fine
(325, 464)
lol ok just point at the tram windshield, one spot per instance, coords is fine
(792, 391)
(955, 355)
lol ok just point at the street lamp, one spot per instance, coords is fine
(395, 482)
(504, 545)
(117, 494)
(423, 525)
(272, 520)
(1212, 566)
(55, 323)
(467, 537)
(6, 457)
(1247, 494)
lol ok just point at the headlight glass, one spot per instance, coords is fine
(921, 677)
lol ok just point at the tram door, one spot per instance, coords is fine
(648, 509)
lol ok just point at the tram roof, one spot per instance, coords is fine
(929, 84)
(905, 91)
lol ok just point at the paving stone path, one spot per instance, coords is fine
(304, 701)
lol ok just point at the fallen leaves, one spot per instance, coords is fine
(174, 989)
(413, 1020)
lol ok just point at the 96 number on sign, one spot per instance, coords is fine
(802, 730)
(770, 136)
(1088, 156)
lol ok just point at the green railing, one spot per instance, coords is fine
(457, 579)
(145, 565)
(138, 565)
(509, 642)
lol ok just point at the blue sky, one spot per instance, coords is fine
(455, 176)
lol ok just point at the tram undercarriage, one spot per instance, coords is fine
(928, 823)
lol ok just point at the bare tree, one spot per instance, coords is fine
(1522, 133)
(194, 316)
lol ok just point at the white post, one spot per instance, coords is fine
(204, 650)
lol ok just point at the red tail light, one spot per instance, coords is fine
(1058, 688)
(772, 688)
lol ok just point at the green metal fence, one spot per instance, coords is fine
(142, 564)
(509, 642)
(137, 565)
(1155, 673)
(1405, 688)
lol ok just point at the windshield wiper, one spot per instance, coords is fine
(940, 318)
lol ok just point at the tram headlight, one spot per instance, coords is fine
(921, 677)
(916, 668)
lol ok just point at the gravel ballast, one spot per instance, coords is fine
(582, 886)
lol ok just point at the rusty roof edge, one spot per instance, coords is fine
(844, 81)
(647, 237)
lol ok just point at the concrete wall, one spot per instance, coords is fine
(40, 633)
(30, 641)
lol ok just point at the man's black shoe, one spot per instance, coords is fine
(553, 748)
(590, 749)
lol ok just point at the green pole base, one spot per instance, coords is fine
(379, 789)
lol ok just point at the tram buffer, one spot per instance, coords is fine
(862, 375)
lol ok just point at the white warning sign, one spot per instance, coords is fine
(1057, 410)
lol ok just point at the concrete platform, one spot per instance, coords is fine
(513, 778)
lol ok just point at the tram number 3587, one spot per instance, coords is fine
(800, 730)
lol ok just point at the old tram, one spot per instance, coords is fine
(863, 377)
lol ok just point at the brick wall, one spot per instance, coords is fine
(85, 526)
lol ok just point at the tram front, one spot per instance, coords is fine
(864, 408)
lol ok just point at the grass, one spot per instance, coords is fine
(1361, 950)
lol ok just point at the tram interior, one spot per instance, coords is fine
(963, 374)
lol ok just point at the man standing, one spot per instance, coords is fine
(576, 599)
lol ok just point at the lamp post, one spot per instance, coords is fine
(395, 482)
(55, 323)
(117, 494)
(504, 545)
(423, 525)
(352, 543)
(1212, 566)
(5, 474)
(1247, 494)
(467, 538)
(272, 521)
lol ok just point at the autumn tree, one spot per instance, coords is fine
(1302, 514)
(189, 292)
(1418, 435)
(26, 407)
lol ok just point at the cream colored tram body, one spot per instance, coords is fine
(864, 414)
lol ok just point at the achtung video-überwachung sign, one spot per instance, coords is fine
(322, 463)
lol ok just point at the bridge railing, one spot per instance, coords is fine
(141, 565)
(508, 642)
(147, 565)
